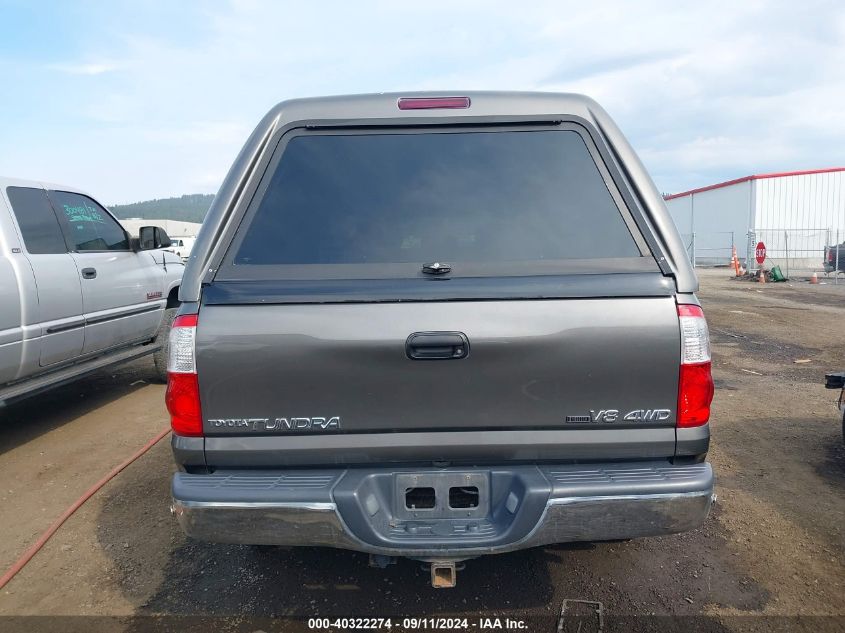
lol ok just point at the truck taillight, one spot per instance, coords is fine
(183, 394)
(695, 383)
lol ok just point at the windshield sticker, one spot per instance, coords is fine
(85, 213)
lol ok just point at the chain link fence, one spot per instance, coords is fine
(796, 251)
(713, 248)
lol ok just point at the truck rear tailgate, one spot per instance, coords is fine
(541, 365)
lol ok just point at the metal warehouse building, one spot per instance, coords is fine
(796, 214)
(173, 228)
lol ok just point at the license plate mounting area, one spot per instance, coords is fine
(446, 495)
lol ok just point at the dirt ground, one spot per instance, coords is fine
(774, 544)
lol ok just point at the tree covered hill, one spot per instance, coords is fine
(188, 208)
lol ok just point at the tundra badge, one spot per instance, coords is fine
(278, 424)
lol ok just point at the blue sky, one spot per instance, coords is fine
(133, 100)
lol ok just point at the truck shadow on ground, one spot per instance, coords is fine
(273, 582)
(26, 419)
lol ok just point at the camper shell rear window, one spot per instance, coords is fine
(381, 204)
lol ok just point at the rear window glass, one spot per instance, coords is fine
(39, 226)
(506, 196)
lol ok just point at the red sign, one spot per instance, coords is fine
(760, 252)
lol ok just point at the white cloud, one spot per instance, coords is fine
(92, 68)
(705, 91)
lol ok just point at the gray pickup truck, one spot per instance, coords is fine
(77, 293)
(437, 327)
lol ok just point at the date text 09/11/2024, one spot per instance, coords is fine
(424, 623)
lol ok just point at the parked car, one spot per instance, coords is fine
(182, 246)
(837, 381)
(834, 256)
(400, 333)
(76, 293)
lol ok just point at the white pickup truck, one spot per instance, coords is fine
(77, 293)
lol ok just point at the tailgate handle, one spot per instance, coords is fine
(437, 346)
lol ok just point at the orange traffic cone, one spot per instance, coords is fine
(814, 278)
(761, 276)
(735, 261)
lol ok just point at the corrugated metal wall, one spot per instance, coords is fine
(800, 202)
(799, 213)
(796, 216)
(716, 217)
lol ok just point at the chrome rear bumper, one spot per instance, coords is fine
(580, 503)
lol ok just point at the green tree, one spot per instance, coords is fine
(187, 208)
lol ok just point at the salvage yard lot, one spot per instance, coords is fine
(774, 543)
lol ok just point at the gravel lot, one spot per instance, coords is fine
(773, 546)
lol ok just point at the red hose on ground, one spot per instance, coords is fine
(32, 551)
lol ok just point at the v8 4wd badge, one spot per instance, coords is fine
(637, 415)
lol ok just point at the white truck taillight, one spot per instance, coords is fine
(695, 384)
(183, 393)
